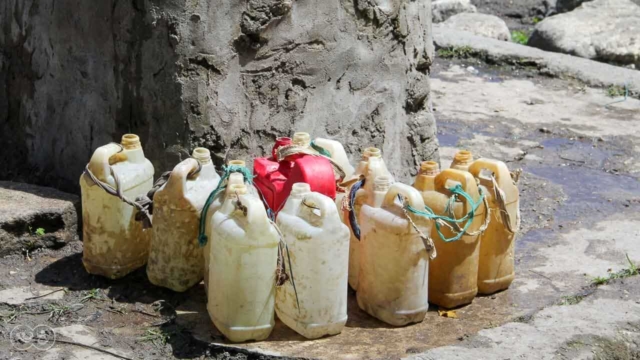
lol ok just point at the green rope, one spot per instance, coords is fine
(467, 219)
(227, 170)
(320, 149)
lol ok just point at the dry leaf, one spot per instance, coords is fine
(448, 314)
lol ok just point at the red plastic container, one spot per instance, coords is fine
(275, 179)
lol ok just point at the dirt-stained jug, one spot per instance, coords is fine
(176, 260)
(115, 243)
(318, 247)
(394, 264)
(496, 268)
(453, 274)
(243, 261)
(370, 167)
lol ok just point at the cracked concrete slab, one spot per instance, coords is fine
(604, 314)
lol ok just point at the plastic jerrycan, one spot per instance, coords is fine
(496, 268)
(176, 260)
(275, 178)
(115, 243)
(234, 179)
(371, 166)
(453, 274)
(318, 245)
(462, 160)
(394, 265)
(243, 260)
(336, 150)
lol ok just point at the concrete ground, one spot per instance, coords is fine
(571, 299)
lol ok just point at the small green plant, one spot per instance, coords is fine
(156, 337)
(615, 91)
(456, 52)
(40, 231)
(632, 270)
(93, 294)
(519, 37)
(571, 300)
(536, 19)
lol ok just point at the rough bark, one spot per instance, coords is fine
(227, 75)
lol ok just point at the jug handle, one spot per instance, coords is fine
(465, 179)
(101, 160)
(411, 194)
(498, 168)
(177, 182)
(319, 202)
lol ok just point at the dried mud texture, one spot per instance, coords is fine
(230, 76)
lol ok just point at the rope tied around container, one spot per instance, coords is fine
(429, 245)
(144, 203)
(353, 219)
(288, 150)
(227, 170)
(320, 149)
(451, 221)
(502, 208)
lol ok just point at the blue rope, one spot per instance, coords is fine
(353, 221)
(227, 170)
(467, 219)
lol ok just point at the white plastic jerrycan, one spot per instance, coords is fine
(394, 264)
(371, 166)
(175, 259)
(115, 243)
(336, 150)
(242, 269)
(234, 179)
(318, 245)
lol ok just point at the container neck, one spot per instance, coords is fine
(202, 155)
(299, 190)
(302, 139)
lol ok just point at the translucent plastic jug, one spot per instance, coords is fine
(394, 265)
(115, 243)
(425, 183)
(243, 255)
(462, 160)
(234, 179)
(176, 260)
(338, 154)
(496, 268)
(371, 166)
(319, 249)
(453, 274)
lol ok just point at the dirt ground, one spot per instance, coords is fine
(580, 200)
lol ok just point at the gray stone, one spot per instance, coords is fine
(441, 10)
(603, 30)
(480, 24)
(32, 217)
(553, 64)
(568, 5)
(227, 75)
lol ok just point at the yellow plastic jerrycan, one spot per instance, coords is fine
(496, 269)
(176, 260)
(371, 166)
(453, 274)
(462, 160)
(394, 265)
(244, 255)
(234, 179)
(318, 245)
(425, 181)
(115, 243)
